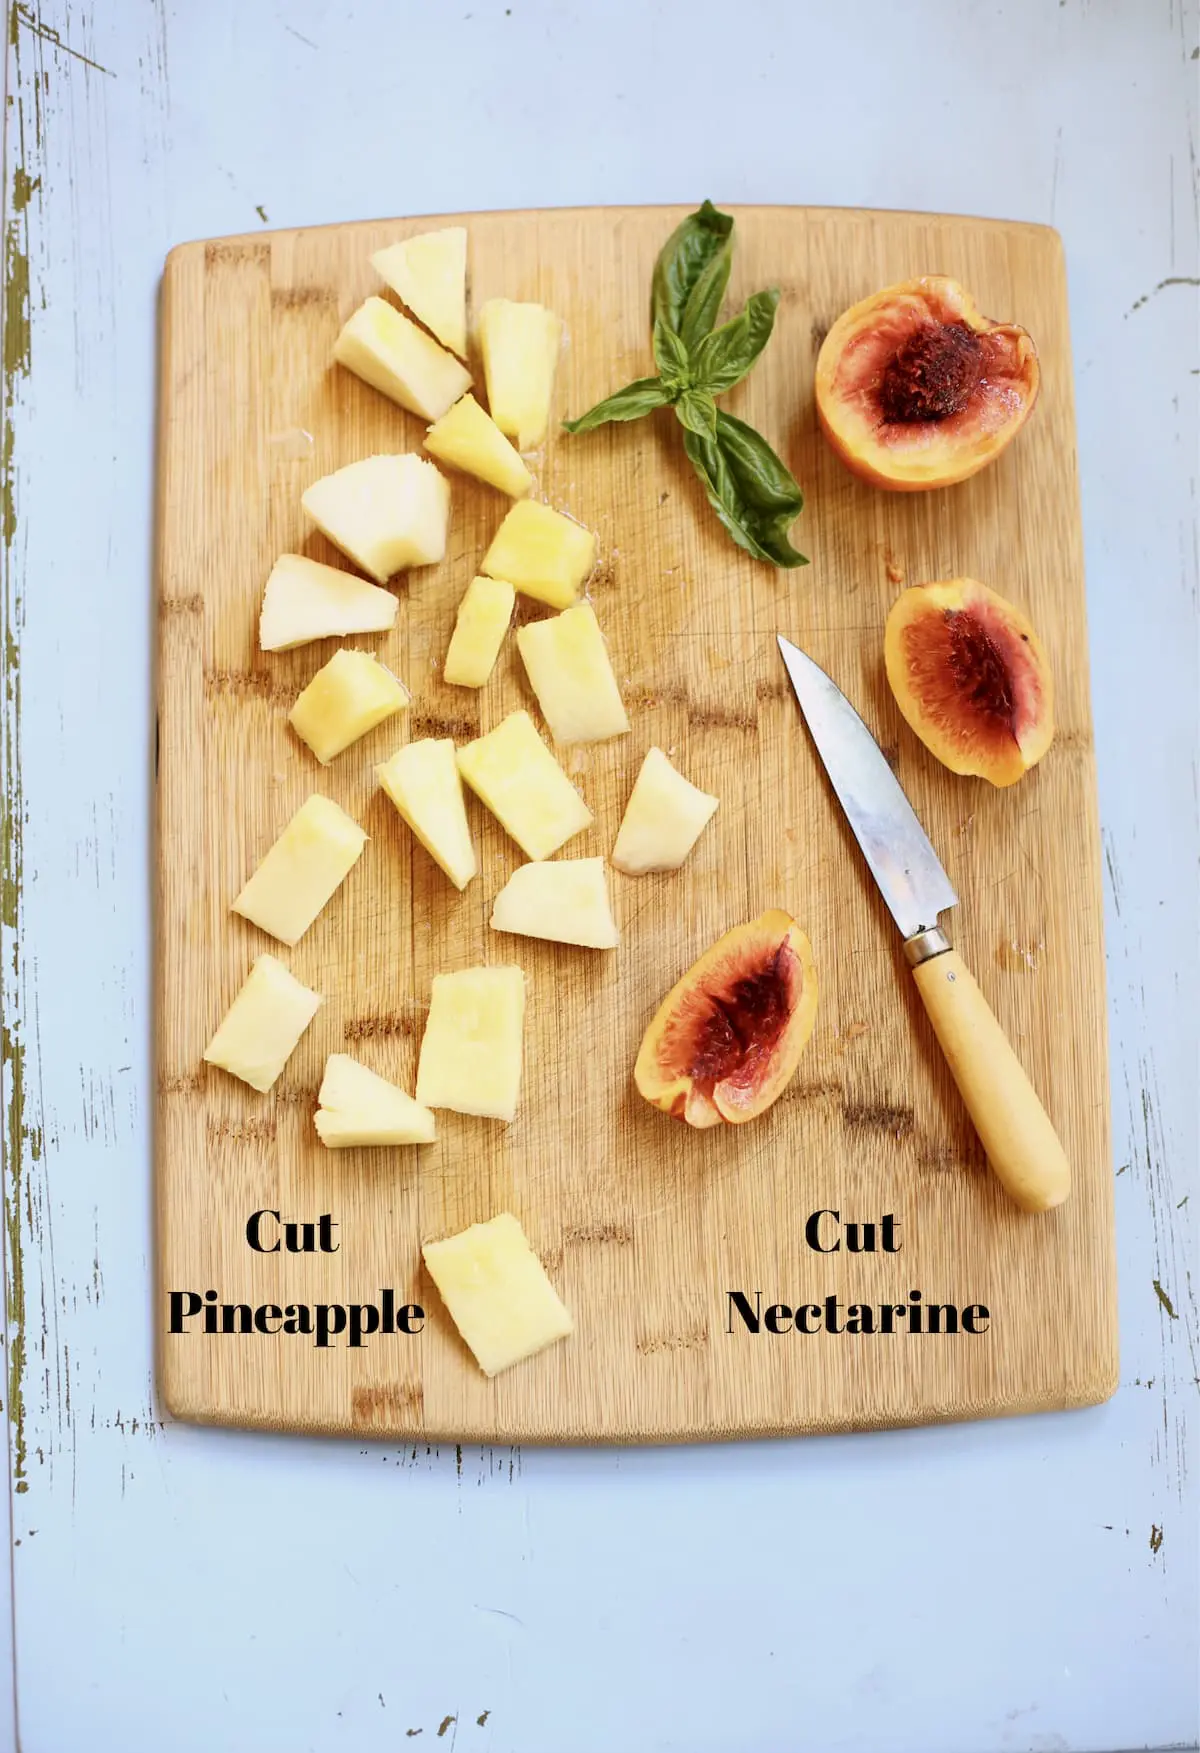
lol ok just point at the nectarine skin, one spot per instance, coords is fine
(916, 389)
(727, 1038)
(971, 677)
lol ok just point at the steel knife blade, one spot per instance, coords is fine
(895, 846)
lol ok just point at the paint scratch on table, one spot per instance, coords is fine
(27, 16)
(22, 1136)
(1165, 1300)
(1171, 280)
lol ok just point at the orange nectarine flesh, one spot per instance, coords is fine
(727, 1038)
(916, 389)
(971, 678)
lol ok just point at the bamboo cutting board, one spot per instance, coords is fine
(644, 1225)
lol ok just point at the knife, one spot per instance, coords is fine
(1015, 1130)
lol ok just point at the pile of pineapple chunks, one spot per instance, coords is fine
(387, 513)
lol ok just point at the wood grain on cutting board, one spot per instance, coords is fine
(644, 1225)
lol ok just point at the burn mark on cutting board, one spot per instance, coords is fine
(766, 689)
(716, 717)
(389, 1404)
(621, 1233)
(409, 1020)
(817, 1090)
(636, 694)
(177, 1083)
(227, 253)
(303, 297)
(691, 1339)
(248, 684)
(242, 1131)
(437, 724)
(890, 1117)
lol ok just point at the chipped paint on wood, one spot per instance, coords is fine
(21, 1140)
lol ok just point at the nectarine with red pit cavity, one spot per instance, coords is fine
(916, 389)
(728, 1036)
(971, 678)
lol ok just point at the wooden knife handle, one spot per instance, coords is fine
(1014, 1128)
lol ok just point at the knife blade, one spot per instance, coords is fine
(896, 847)
(1021, 1143)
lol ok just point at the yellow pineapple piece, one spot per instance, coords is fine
(385, 512)
(520, 344)
(305, 600)
(565, 901)
(665, 816)
(358, 1107)
(380, 345)
(423, 781)
(470, 440)
(497, 1293)
(569, 671)
(346, 698)
(483, 617)
(542, 553)
(313, 855)
(471, 1050)
(517, 777)
(262, 1026)
(428, 273)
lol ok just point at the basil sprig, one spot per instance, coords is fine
(748, 486)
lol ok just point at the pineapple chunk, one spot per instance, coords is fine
(259, 1032)
(380, 345)
(316, 851)
(542, 553)
(567, 663)
(566, 901)
(522, 784)
(520, 345)
(664, 818)
(346, 698)
(471, 1049)
(428, 273)
(497, 1293)
(470, 440)
(357, 1106)
(423, 781)
(305, 600)
(483, 617)
(385, 512)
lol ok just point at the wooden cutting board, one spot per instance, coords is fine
(645, 1226)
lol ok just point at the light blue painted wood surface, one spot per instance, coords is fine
(1028, 1585)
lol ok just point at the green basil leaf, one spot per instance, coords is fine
(724, 357)
(697, 412)
(682, 260)
(671, 358)
(751, 490)
(637, 398)
(704, 300)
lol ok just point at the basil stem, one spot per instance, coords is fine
(724, 357)
(751, 490)
(688, 251)
(637, 398)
